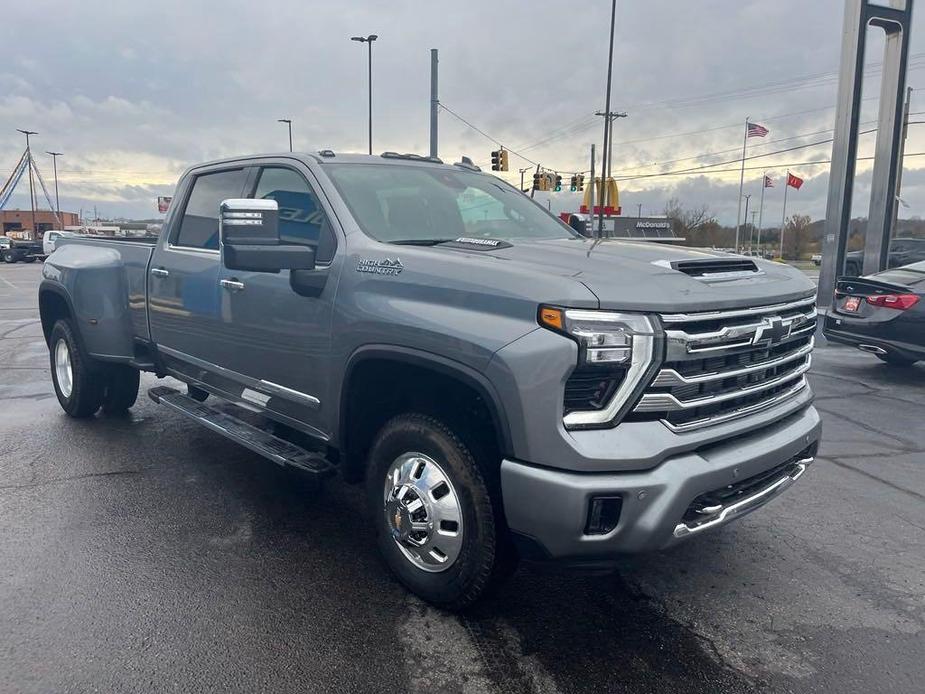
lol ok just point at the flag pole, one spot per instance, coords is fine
(741, 184)
(764, 179)
(783, 218)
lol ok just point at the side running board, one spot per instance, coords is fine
(278, 450)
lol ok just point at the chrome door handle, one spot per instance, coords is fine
(159, 272)
(232, 285)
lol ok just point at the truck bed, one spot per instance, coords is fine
(108, 275)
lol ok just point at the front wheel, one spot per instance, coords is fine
(78, 382)
(9, 257)
(432, 508)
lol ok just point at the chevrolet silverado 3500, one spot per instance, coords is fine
(505, 387)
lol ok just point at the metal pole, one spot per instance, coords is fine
(613, 19)
(783, 218)
(764, 178)
(435, 108)
(370, 95)
(27, 133)
(522, 172)
(591, 197)
(751, 232)
(54, 163)
(741, 184)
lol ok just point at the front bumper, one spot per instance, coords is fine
(547, 509)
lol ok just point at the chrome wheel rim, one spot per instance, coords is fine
(423, 512)
(63, 371)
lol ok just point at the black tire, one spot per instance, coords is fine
(896, 359)
(197, 394)
(484, 559)
(121, 389)
(85, 394)
(9, 257)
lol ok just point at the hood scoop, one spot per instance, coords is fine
(714, 269)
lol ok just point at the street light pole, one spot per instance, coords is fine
(27, 133)
(288, 122)
(54, 163)
(369, 41)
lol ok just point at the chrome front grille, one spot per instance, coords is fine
(721, 365)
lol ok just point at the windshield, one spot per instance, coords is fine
(416, 203)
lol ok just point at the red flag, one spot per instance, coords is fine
(794, 181)
(768, 182)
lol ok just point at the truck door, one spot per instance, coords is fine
(184, 296)
(283, 338)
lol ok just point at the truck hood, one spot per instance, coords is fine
(638, 275)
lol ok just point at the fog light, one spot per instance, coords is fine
(603, 514)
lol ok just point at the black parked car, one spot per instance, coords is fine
(883, 314)
(903, 251)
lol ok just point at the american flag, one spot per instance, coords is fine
(768, 182)
(755, 130)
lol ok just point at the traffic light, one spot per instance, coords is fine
(499, 160)
(537, 181)
(573, 185)
(558, 183)
(581, 181)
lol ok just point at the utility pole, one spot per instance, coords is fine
(435, 108)
(54, 161)
(638, 210)
(590, 227)
(751, 232)
(613, 117)
(522, 172)
(289, 123)
(27, 133)
(607, 119)
(764, 180)
(369, 41)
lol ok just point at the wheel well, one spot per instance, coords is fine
(377, 389)
(52, 308)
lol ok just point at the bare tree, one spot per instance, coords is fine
(698, 225)
(797, 237)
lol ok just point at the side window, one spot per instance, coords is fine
(199, 227)
(301, 219)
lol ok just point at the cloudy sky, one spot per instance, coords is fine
(134, 92)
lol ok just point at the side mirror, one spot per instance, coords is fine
(249, 239)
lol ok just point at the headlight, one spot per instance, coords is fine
(615, 350)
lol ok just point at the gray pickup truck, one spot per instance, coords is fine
(505, 387)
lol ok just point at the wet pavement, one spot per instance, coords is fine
(147, 554)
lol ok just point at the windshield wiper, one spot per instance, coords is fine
(420, 242)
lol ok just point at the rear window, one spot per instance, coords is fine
(400, 203)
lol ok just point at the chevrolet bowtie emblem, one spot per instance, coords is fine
(772, 331)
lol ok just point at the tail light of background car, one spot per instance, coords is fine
(898, 301)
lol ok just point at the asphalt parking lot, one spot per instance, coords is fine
(147, 554)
